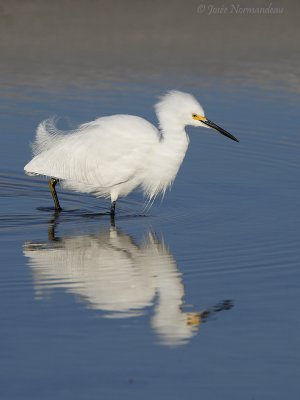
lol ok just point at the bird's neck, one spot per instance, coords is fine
(174, 137)
(173, 146)
(165, 160)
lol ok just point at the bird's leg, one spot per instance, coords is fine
(112, 213)
(52, 184)
(113, 209)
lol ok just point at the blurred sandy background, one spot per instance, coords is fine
(87, 42)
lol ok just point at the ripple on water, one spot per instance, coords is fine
(32, 194)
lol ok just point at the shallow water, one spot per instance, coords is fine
(197, 297)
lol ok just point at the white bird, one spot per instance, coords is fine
(113, 155)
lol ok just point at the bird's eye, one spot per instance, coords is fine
(194, 115)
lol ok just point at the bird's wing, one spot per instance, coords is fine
(103, 153)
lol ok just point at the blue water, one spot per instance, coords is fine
(138, 310)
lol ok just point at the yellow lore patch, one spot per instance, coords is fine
(199, 117)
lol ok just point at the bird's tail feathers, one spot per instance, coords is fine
(46, 135)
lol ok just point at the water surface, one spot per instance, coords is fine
(200, 294)
(197, 297)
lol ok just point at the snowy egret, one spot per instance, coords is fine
(113, 155)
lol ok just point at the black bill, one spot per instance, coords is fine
(219, 129)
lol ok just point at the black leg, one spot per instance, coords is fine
(52, 184)
(112, 213)
(113, 209)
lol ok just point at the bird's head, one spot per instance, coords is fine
(178, 109)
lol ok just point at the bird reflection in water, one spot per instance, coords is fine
(112, 273)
